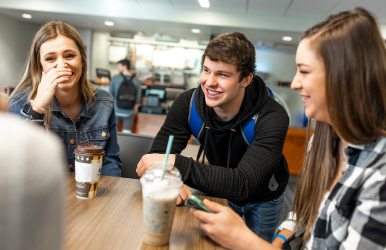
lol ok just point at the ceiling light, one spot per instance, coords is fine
(28, 16)
(196, 31)
(109, 23)
(204, 3)
(287, 38)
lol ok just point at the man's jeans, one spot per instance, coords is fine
(127, 122)
(261, 217)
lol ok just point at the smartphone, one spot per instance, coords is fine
(194, 202)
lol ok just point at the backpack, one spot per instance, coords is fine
(127, 94)
(196, 124)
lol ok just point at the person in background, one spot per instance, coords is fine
(55, 93)
(251, 175)
(149, 82)
(123, 114)
(340, 202)
(32, 182)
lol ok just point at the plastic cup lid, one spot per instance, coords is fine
(89, 150)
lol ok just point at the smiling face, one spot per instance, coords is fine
(310, 80)
(62, 52)
(221, 84)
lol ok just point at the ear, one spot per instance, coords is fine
(247, 80)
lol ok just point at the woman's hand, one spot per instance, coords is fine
(227, 228)
(48, 85)
(279, 241)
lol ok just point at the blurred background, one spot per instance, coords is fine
(164, 39)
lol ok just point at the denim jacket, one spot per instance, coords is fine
(95, 126)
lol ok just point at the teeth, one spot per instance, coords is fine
(213, 92)
(64, 77)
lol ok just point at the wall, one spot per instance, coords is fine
(100, 54)
(87, 38)
(15, 40)
(279, 64)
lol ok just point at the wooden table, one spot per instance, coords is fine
(113, 220)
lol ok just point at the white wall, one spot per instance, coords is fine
(280, 65)
(15, 40)
(87, 37)
(100, 55)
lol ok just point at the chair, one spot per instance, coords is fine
(133, 147)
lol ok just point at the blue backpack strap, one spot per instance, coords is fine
(270, 93)
(195, 122)
(248, 129)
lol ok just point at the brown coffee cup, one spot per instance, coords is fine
(88, 166)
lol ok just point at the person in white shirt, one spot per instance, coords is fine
(32, 196)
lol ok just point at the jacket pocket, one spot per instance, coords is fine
(99, 136)
(59, 135)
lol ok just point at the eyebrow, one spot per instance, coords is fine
(302, 64)
(220, 71)
(67, 50)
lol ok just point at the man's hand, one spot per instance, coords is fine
(227, 228)
(149, 159)
(184, 194)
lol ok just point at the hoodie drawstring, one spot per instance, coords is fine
(204, 148)
(200, 149)
(229, 147)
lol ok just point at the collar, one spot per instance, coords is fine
(83, 113)
(371, 146)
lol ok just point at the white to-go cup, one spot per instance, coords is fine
(88, 166)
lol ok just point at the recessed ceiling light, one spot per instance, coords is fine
(109, 23)
(28, 16)
(204, 3)
(196, 31)
(287, 38)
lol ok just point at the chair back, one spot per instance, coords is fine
(133, 147)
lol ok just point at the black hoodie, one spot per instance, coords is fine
(238, 172)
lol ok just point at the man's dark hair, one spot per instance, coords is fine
(125, 62)
(233, 48)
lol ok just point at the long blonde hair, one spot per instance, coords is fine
(33, 72)
(354, 54)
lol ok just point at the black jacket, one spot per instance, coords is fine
(251, 167)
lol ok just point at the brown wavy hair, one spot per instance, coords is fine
(33, 72)
(233, 48)
(353, 51)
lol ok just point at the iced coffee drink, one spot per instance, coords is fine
(159, 202)
(88, 166)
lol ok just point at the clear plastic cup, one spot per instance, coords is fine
(159, 202)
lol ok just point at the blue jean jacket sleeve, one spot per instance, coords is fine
(111, 161)
(16, 106)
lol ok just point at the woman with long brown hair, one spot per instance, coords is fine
(341, 198)
(55, 93)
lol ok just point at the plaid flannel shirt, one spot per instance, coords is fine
(354, 215)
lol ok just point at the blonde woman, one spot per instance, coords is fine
(55, 93)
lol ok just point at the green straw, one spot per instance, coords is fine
(168, 148)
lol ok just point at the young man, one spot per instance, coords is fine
(252, 176)
(127, 115)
